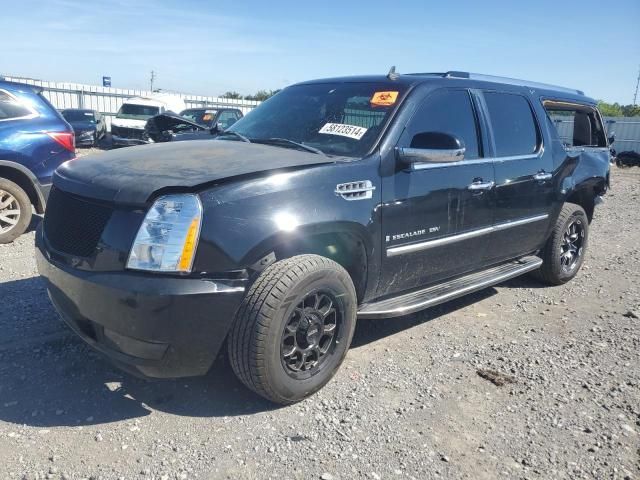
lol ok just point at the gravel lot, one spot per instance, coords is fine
(408, 402)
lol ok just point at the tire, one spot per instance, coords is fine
(13, 198)
(560, 263)
(286, 313)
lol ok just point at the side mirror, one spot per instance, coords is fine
(216, 128)
(612, 138)
(432, 147)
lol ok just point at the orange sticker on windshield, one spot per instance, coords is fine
(384, 99)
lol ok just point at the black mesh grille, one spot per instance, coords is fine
(74, 225)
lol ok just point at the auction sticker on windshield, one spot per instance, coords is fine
(350, 131)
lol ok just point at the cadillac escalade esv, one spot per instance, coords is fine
(335, 200)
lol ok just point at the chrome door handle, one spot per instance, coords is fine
(481, 186)
(542, 176)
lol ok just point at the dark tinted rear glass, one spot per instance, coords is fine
(513, 124)
(78, 116)
(11, 108)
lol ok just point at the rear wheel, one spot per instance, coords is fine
(294, 327)
(15, 211)
(564, 252)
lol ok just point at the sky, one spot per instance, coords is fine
(210, 47)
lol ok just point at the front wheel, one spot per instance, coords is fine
(564, 252)
(294, 328)
(15, 211)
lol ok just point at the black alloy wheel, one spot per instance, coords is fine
(310, 333)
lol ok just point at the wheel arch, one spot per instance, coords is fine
(585, 194)
(345, 243)
(22, 177)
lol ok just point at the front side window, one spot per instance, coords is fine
(514, 127)
(576, 125)
(450, 112)
(337, 118)
(10, 107)
(137, 112)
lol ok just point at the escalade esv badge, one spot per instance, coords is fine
(185, 251)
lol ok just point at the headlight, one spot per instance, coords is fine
(168, 237)
(86, 133)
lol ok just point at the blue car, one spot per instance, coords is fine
(34, 141)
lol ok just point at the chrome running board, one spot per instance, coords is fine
(428, 297)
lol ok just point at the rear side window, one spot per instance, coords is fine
(514, 127)
(10, 108)
(447, 111)
(576, 125)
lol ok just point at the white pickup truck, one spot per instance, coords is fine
(128, 125)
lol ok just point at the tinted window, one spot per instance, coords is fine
(227, 119)
(576, 125)
(78, 116)
(137, 112)
(10, 108)
(513, 124)
(447, 111)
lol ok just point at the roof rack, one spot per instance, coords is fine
(498, 79)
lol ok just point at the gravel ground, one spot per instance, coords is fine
(414, 398)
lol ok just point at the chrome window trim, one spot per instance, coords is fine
(31, 115)
(416, 247)
(479, 161)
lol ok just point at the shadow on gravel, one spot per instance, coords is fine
(35, 221)
(368, 331)
(48, 377)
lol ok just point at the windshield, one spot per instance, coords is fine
(78, 116)
(137, 112)
(201, 116)
(336, 118)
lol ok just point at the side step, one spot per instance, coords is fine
(428, 297)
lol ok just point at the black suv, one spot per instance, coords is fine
(364, 197)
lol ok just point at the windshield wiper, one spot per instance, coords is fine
(286, 141)
(231, 132)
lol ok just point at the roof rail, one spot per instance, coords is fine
(498, 79)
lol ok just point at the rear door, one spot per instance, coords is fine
(523, 176)
(434, 225)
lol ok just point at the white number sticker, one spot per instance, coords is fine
(350, 131)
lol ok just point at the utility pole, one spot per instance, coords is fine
(635, 95)
(153, 77)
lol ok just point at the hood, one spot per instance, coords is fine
(132, 175)
(168, 120)
(158, 125)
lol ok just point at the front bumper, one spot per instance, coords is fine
(127, 142)
(150, 325)
(82, 141)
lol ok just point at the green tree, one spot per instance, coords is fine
(234, 95)
(609, 110)
(262, 95)
(631, 110)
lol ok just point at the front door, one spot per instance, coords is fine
(435, 216)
